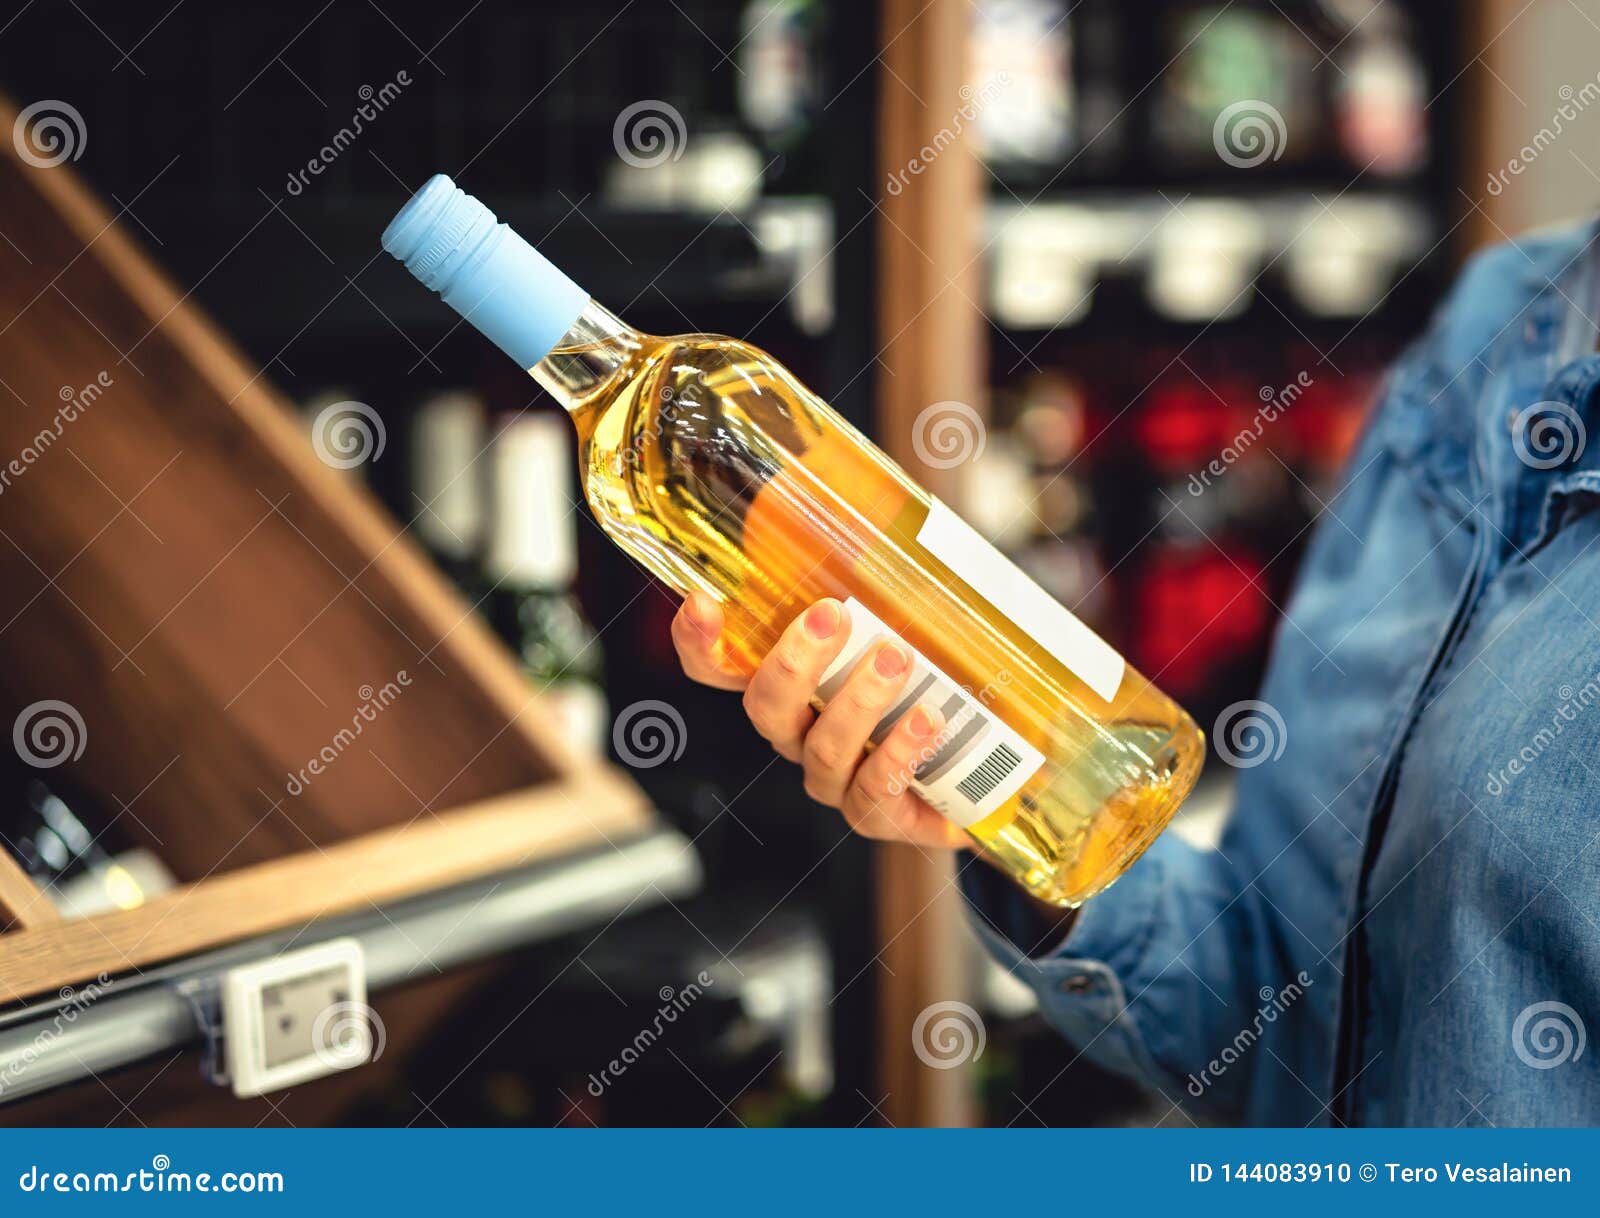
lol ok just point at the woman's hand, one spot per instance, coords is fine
(870, 789)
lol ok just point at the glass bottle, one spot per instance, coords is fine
(530, 564)
(449, 437)
(704, 459)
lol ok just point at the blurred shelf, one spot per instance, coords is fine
(1201, 259)
(136, 1017)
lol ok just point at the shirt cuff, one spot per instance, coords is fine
(1082, 980)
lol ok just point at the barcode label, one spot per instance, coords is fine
(978, 761)
(991, 772)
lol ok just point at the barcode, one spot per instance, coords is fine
(990, 773)
(979, 759)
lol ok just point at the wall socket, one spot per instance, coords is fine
(296, 1017)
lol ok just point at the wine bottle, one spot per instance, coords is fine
(82, 870)
(709, 463)
(449, 435)
(530, 564)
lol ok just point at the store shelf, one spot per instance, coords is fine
(133, 1018)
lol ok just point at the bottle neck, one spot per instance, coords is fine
(592, 353)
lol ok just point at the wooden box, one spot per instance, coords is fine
(201, 608)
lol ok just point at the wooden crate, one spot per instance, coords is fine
(217, 606)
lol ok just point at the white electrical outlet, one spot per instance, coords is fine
(296, 1017)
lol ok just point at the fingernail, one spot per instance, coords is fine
(923, 724)
(699, 606)
(822, 619)
(890, 661)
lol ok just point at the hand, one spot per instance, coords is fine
(870, 789)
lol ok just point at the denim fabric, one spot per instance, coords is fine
(1401, 925)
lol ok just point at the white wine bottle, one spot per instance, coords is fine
(708, 462)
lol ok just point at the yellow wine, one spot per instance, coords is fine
(709, 463)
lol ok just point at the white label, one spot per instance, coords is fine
(1030, 608)
(295, 1017)
(975, 763)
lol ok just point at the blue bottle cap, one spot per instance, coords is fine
(484, 271)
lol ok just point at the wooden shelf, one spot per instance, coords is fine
(221, 607)
(21, 902)
(388, 865)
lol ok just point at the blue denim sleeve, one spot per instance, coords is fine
(1120, 981)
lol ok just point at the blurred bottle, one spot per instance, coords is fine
(1240, 90)
(1053, 425)
(716, 172)
(82, 870)
(448, 437)
(346, 434)
(1030, 494)
(1382, 99)
(1204, 261)
(1021, 94)
(1347, 255)
(1053, 417)
(1199, 599)
(1046, 265)
(531, 562)
(780, 90)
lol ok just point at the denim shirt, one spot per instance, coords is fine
(1401, 924)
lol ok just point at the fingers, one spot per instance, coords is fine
(880, 803)
(872, 790)
(834, 745)
(778, 701)
(696, 631)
